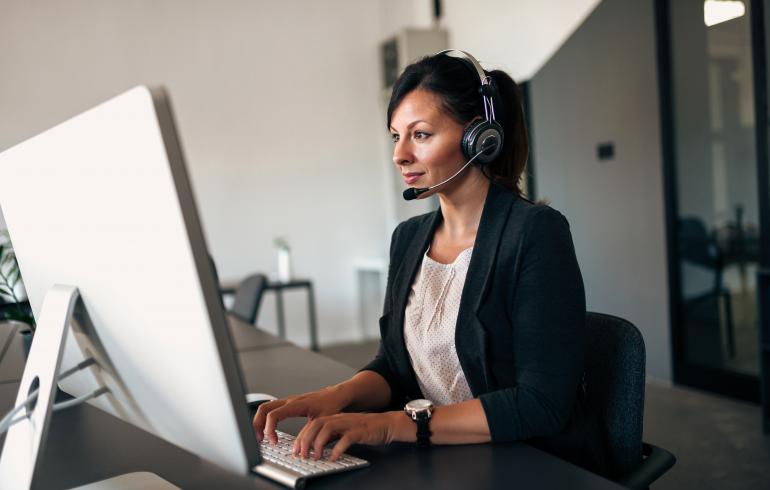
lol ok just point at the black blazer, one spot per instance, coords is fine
(520, 334)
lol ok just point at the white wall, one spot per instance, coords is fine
(277, 105)
(398, 14)
(517, 36)
(602, 86)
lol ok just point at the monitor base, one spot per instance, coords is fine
(26, 439)
(141, 480)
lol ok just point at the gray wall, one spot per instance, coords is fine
(601, 86)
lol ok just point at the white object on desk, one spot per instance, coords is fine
(284, 265)
(259, 397)
(140, 480)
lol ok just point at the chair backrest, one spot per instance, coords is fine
(695, 243)
(248, 296)
(615, 376)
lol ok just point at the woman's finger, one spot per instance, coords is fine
(308, 435)
(293, 409)
(347, 440)
(259, 418)
(298, 440)
(330, 429)
(300, 435)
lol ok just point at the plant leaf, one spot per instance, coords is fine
(9, 258)
(14, 277)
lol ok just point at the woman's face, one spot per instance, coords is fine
(427, 140)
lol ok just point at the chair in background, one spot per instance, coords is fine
(700, 248)
(615, 377)
(248, 296)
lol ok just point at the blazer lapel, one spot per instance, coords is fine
(402, 286)
(470, 337)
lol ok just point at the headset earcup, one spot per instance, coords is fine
(476, 135)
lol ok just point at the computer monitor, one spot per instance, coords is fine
(102, 202)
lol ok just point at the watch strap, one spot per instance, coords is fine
(423, 430)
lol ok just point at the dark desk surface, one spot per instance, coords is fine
(86, 444)
(247, 338)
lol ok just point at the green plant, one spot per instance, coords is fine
(10, 277)
(281, 243)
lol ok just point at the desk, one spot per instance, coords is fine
(229, 287)
(86, 444)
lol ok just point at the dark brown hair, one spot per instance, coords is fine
(457, 84)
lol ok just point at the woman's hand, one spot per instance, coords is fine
(328, 401)
(348, 429)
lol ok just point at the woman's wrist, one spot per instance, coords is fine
(403, 429)
(343, 393)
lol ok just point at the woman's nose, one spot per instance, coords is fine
(401, 154)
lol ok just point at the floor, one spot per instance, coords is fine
(718, 441)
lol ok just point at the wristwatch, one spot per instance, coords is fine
(421, 411)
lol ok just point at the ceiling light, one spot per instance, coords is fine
(718, 11)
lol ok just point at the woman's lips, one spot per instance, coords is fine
(411, 178)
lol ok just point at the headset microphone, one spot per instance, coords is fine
(414, 193)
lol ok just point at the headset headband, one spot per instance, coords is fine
(486, 86)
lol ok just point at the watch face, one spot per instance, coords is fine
(419, 405)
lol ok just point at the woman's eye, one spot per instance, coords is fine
(394, 137)
(420, 135)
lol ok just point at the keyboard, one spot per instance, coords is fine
(280, 465)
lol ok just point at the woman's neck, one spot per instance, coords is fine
(461, 206)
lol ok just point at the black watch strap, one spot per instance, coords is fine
(423, 430)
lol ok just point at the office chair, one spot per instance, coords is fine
(615, 375)
(248, 296)
(700, 248)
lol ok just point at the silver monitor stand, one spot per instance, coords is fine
(26, 439)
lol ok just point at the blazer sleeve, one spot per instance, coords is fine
(380, 364)
(548, 320)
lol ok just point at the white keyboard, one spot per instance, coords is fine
(280, 465)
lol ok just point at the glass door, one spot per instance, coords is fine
(713, 100)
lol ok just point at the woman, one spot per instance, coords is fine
(485, 309)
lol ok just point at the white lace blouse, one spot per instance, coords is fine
(429, 329)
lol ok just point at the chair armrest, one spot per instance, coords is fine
(655, 462)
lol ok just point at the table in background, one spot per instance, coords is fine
(229, 287)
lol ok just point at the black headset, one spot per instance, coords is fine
(484, 137)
